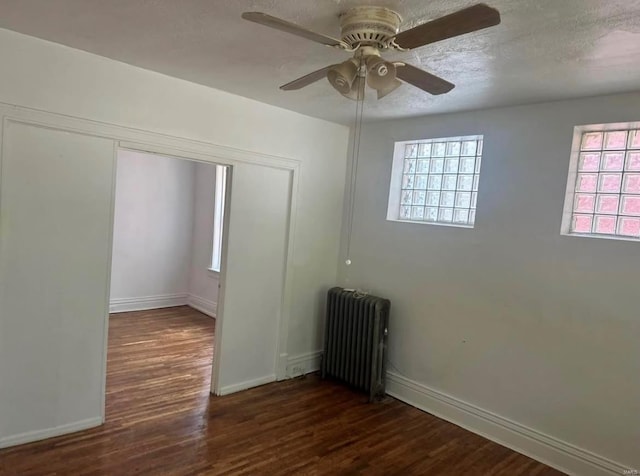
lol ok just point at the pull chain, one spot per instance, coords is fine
(355, 155)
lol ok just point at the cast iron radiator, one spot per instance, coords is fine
(356, 340)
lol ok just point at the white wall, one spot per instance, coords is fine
(152, 231)
(55, 78)
(101, 92)
(203, 284)
(510, 317)
(162, 235)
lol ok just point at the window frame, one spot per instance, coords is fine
(572, 177)
(397, 171)
(220, 190)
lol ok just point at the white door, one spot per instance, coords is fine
(55, 233)
(252, 293)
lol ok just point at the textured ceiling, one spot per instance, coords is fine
(543, 50)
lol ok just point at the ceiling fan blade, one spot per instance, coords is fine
(283, 25)
(464, 21)
(423, 80)
(307, 79)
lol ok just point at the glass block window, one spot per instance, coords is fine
(605, 197)
(438, 181)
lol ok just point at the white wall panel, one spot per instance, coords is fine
(257, 246)
(55, 244)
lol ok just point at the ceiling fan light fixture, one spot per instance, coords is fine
(342, 76)
(389, 88)
(357, 90)
(381, 75)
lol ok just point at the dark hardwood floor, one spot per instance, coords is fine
(161, 420)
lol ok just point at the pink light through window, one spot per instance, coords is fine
(607, 187)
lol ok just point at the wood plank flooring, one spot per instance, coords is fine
(161, 420)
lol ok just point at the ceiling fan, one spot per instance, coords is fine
(369, 30)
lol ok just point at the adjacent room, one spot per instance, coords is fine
(319, 237)
(167, 233)
(165, 270)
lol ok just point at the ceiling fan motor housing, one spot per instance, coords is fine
(369, 26)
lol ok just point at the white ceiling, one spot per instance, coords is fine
(543, 50)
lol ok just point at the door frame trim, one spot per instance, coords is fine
(192, 149)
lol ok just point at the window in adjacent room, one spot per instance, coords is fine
(603, 189)
(218, 217)
(435, 181)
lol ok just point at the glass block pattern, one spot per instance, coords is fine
(606, 199)
(440, 180)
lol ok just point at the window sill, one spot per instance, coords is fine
(601, 236)
(213, 273)
(437, 223)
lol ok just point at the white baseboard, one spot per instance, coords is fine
(38, 435)
(147, 302)
(237, 387)
(304, 363)
(205, 306)
(544, 448)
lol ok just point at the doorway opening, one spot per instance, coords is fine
(166, 268)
